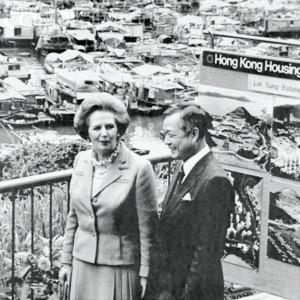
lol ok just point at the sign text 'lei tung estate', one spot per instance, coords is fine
(252, 65)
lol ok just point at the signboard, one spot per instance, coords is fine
(252, 65)
(254, 104)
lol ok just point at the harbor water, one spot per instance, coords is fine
(143, 132)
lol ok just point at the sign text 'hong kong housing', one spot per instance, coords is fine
(252, 65)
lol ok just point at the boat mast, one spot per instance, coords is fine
(55, 11)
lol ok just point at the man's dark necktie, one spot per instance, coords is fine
(177, 182)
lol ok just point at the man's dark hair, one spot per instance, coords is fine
(192, 115)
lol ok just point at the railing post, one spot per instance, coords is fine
(13, 237)
(50, 224)
(32, 221)
(68, 206)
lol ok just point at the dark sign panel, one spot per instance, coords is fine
(252, 65)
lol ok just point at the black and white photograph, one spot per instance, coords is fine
(284, 223)
(240, 129)
(285, 152)
(149, 149)
(243, 236)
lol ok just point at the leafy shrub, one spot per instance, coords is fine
(33, 274)
(38, 158)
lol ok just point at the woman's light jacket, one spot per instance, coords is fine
(119, 228)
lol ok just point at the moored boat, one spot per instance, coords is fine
(25, 119)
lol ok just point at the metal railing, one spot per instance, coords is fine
(212, 35)
(15, 190)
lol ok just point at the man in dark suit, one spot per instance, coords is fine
(196, 211)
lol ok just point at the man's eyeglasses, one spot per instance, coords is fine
(164, 134)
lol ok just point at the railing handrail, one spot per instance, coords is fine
(34, 180)
(214, 34)
(57, 176)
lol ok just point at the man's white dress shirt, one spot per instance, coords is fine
(191, 162)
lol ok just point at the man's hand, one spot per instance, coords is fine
(65, 273)
(143, 282)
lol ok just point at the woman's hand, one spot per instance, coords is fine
(143, 282)
(65, 273)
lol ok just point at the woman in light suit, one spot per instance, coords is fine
(113, 211)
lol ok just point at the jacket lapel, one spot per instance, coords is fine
(114, 173)
(171, 187)
(190, 180)
(182, 190)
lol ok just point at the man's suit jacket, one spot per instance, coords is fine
(119, 228)
(191, 234)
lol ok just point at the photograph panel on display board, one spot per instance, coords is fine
(240, 129)
(284, 222)
(243, 234)
(285, 151)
